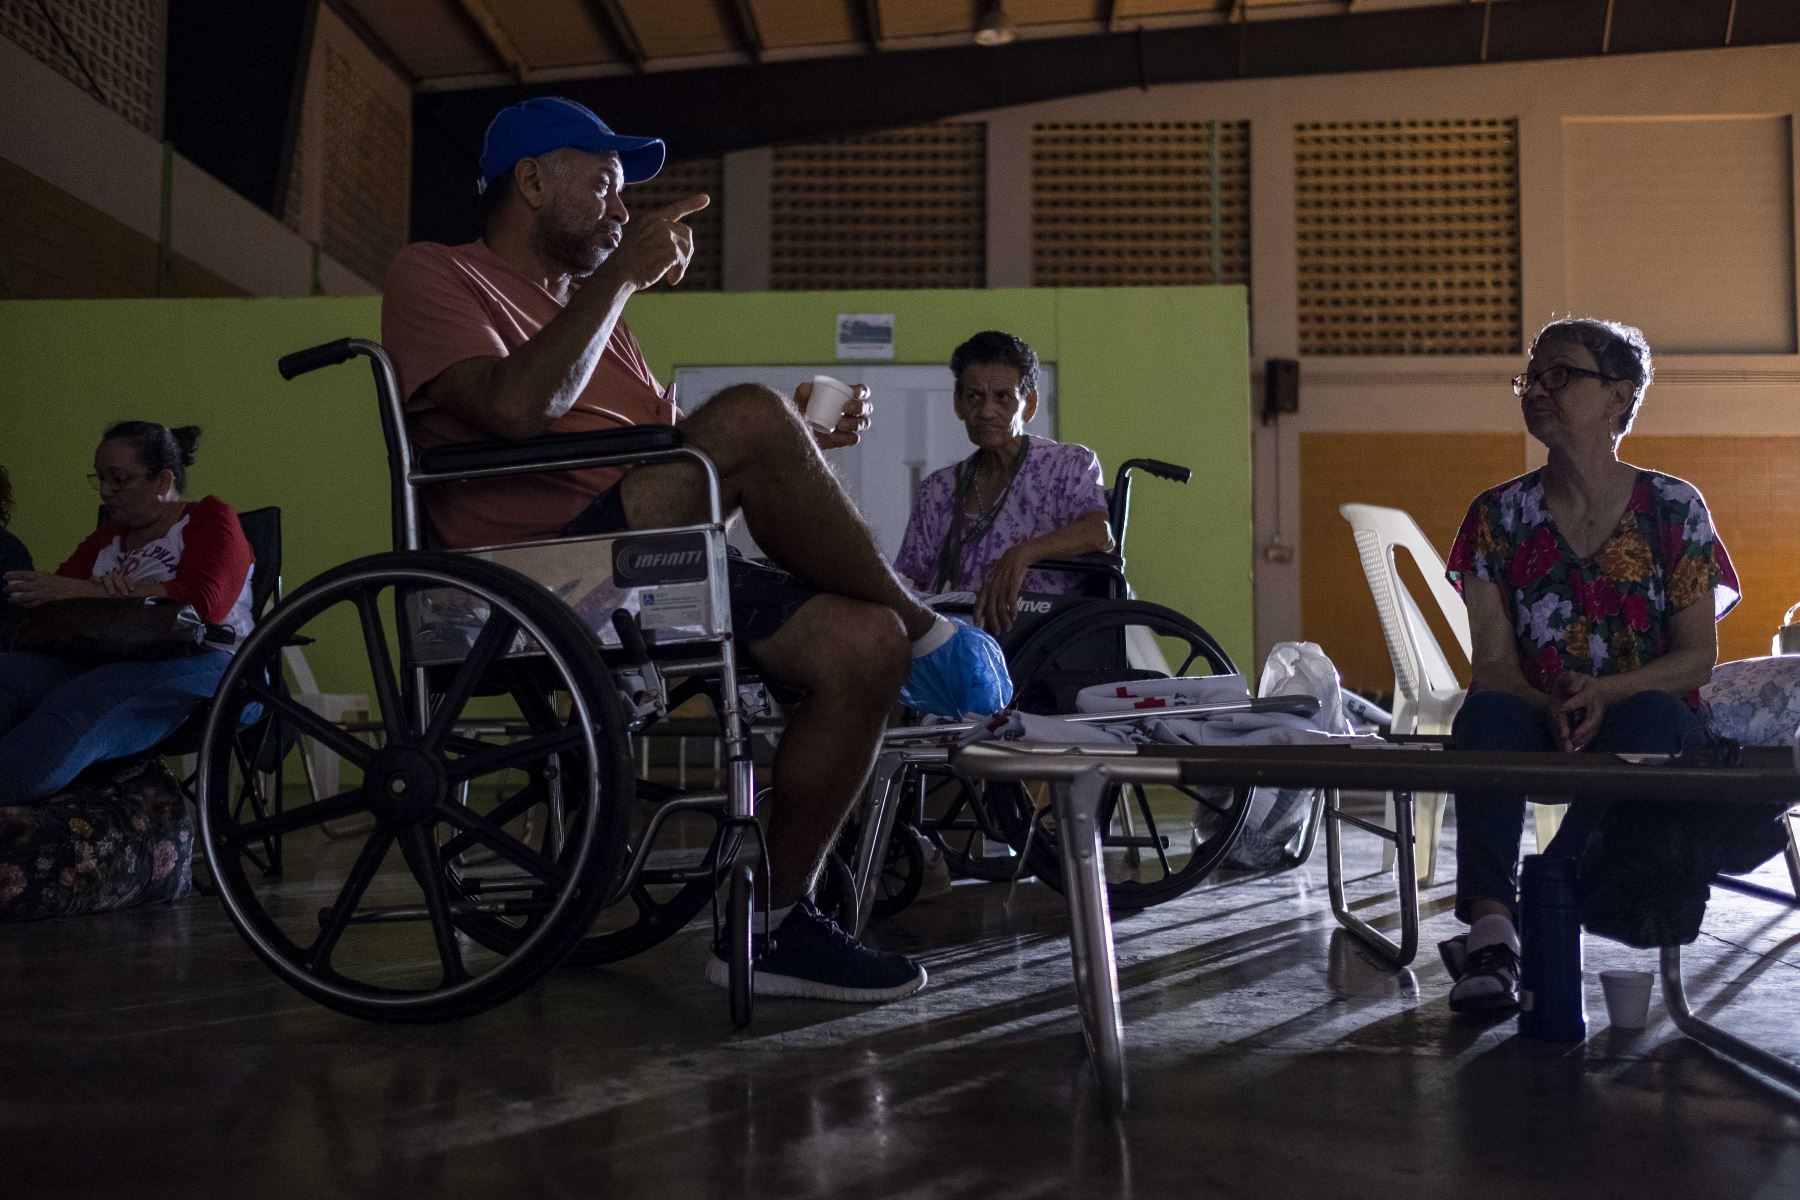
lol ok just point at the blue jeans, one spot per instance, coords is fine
(59, 717)
(1488, 824)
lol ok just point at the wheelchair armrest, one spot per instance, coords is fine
(572, 449)
(1101, 568)
(1094, 562)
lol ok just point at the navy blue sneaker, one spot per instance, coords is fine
(810, 956)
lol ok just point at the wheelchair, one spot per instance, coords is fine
(1059, 644)
(509, 681)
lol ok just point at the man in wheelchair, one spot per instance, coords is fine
(521, 334)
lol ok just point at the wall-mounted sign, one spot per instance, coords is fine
(865, 335)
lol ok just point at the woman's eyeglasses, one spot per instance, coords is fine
(101, 482)
(1556, 378)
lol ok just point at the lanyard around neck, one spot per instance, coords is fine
(956, 538)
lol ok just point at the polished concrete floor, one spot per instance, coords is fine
(148, 1054)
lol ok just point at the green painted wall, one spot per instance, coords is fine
(1142, 372)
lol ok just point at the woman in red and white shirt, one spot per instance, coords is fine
(58, 717)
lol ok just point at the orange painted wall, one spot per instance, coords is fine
(1751, 484)
(1752, 487)
(1431, 475)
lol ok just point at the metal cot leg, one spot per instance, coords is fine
(877, 827)
(1090, 930)
(1790, 820)
(1776, 1071)
(1401, 835)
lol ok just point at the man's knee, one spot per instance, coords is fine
(1490, 720)
(867, 641)
(747, 411)
(850, 649)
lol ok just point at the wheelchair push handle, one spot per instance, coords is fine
(1158, 468)
(294, 365)
(1118, 503)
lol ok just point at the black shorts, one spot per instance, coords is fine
(763, 597)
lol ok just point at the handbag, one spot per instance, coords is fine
(101, 629)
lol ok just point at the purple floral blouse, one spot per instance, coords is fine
(1609, 612)
(1056, 485)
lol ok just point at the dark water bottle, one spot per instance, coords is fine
(1551, 1007)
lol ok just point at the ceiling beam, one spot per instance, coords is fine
(616, 27)
(716, 110)
(494, 36)
(740, 18)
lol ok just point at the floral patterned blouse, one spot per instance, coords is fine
(1611, 611)
(1058, 483)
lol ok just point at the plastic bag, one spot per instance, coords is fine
(966, 676)
(1280, 823)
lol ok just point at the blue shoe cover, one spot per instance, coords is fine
(964, 677)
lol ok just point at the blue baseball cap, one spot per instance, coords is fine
(548, 123)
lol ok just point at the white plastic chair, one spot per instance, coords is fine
(321, 768)
(1426, 692)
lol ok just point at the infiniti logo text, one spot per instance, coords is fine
(640, 560)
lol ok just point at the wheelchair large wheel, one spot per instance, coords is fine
(482, 863)
(962, 817)
(1159, 841)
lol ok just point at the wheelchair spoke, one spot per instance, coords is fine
(1203, 800)
(420, 849)
(313, 725)
(318, 955)
(381, 669)
(513, 754)
(503, 843)
(248, 793)
(496, 636)
(501, 814)
(1143, 804)
(305, 817)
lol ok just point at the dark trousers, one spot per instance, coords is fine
(1488, 824)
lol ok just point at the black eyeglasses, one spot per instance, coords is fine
(101, 482)
(1556, 378)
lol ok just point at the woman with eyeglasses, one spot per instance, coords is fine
(982, 524)
(1592, 587)
(58, 717)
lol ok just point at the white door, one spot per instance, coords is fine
(914, 433)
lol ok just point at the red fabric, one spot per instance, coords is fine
(215, 558)
(81, 563)
(442, 305)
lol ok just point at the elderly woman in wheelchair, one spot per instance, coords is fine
(982, 524)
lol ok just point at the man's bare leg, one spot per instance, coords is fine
(849, 656)
(771, 469)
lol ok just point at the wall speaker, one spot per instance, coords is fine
(1281, 388)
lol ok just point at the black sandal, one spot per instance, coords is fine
(1497, 961)
(1454, 952)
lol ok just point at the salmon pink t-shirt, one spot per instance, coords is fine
(442, 305)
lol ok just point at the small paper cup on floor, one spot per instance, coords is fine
(1627, 998)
